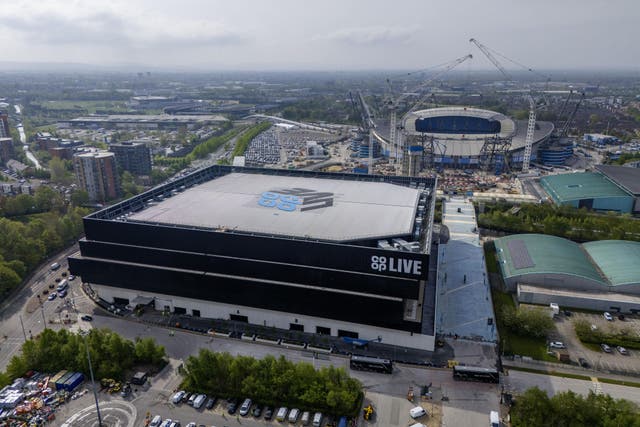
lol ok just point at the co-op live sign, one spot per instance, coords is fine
(396, 265)
(295, 199)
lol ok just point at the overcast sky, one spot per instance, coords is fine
(321, 34)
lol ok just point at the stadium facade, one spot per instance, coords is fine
(327, 253)
(460, 135)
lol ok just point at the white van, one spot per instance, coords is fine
(156, 421)
(293, 415)
(199, 401)
(55, 266)
(417, 412)
(281, 415)
(494, 419)
(317, 419)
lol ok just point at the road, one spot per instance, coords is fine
(23, 140)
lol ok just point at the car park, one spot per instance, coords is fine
(605, 348)
(557, 344)
(245, 407)
(608, 316)
(622, 350)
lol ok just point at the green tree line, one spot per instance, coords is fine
(273, 382)
(534, 408)
(111, 355)
(562, 221)
(32, 228)
(245, 139)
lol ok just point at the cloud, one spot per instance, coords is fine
(108, 28)
(370, 35)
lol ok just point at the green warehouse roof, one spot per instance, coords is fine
(576, 186)
(522, 254)
(619, 260)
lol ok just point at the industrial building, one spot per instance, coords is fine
(328, 253)
(132, 156)
(600, 275)
(142, 121)
(611, 188)
(97, 174)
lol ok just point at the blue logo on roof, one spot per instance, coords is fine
(284, 202)
(288, 199)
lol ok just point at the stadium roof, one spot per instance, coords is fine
(471, 145)
(315, 208)
(617, 259)
(523, 254)
(576, 186)
(626, 177)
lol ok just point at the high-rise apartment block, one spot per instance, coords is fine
(97, 174)
(134, 157)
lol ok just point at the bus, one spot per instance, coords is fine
(363, 363)
(475, 373)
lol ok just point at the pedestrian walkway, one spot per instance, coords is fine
(464, 308)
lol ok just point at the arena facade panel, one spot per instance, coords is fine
(334, 252)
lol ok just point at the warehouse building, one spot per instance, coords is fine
(591, 190)
(542, 269)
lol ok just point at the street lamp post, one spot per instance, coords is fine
(93, 384)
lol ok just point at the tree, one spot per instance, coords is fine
(532, 409)
(79, 197)
(60, 171)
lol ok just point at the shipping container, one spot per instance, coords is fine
(74, 381)
(63, 379)
(57, 376)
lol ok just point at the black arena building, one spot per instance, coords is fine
(328, 253)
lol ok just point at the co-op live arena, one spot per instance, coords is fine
(327, 253)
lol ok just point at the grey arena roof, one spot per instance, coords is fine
(626, 177)
(471, 145)
(323, 209)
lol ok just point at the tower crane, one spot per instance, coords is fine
(531, 123)
(394, 103)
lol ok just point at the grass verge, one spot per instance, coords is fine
(574, 376)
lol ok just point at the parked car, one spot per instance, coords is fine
(175, 423)
(557, 344)
(62, 293)
(567, 313)
(72, 277)
(192, 399)
(177, 397)
(621, 317)
(293, 415)
(166, 423)
(191, 424)
(583, 362)
(305, 418)
(594, 327)
(87, 318)
(52, 296)
(245, 407)
(210, 403)
(257, 411)
(232, 407)
(622, 350)
(268, 413)
(55, 266)
(608, 316)
(605, 348)
(185, 397)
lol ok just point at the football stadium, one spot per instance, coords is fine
(464, 135)
(327, 253)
